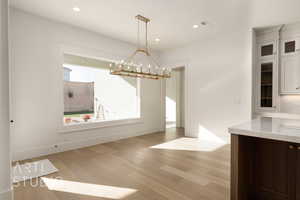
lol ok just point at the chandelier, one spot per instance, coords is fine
(140, 64)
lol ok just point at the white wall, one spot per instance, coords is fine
(171, 101)
(218, 72)
(175, 99)
(219, 68)
(5, 185)
(37, 86)
(290, 104)
(180, 97)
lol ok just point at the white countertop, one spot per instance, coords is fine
(270, 128)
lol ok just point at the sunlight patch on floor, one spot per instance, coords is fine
(190, 144)
(206, 141)
(110, 192)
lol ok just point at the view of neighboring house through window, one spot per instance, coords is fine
(92, 94)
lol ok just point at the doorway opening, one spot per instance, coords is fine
(175, 95)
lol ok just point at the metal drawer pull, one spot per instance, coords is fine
(291, 147)
(297, 88)
(298, 148)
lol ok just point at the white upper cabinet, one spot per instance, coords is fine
(290, 63)
(290, 74)
(266, 85)
(266, 70)
(276, 66)
(266, 76)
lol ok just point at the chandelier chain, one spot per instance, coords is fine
(138, 34)
(146, 47)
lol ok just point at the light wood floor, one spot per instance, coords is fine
(158, 174)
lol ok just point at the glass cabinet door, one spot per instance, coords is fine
(266, 50)
(266, 85)
(290, 46)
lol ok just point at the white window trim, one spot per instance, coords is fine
(102, 124)
(85, 126)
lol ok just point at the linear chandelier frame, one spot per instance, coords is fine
(151, 70)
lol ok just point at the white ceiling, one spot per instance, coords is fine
(171, 20)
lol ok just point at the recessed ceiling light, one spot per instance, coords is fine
(157, 39)
(195, 26)
(76, 9)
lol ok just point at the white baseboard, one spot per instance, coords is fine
(6, 195)
(71, 145)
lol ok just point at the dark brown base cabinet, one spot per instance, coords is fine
(263, 169)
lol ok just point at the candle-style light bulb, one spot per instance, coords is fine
(169, 71)
(164, 71)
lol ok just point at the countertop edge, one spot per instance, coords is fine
(264, 135)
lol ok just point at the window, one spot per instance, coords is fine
(92, 94)
(267, 50)
(289, 47)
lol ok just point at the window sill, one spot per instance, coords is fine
(95, 125)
